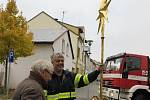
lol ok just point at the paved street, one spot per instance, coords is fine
(86, 93)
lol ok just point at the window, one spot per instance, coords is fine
(73, 69)
(63, 46)
(114, 64)
(78, 53)
(67, 50)
(77, 71)
(82, 56)
(133, 63)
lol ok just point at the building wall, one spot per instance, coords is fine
(20, 70)
(72, 28)
(77, 43)
(43, 21)
(67, 53)
(81, 63)
(74, 39)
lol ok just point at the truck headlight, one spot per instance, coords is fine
(111, 94)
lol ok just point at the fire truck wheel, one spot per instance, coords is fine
(140, 97)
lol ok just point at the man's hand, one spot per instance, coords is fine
(100, 68)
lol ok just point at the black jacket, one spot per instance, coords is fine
(63, 87)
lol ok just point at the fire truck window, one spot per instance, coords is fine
(114, 64)
(133, 63)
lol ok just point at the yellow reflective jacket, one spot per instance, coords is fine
(63, 87)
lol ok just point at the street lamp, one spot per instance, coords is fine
(88, 43)
(87, 51)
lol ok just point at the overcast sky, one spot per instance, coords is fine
(128, 29)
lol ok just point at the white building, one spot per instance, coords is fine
(49, 36)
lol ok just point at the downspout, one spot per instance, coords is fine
(77, 55)
(70, 42)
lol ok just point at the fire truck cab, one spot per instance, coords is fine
(127, 77)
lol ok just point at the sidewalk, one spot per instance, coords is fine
(87, 92)
(4, 97)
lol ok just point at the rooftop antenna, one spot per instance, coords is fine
(63, 16)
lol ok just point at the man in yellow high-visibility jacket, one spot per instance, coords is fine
(63, 83)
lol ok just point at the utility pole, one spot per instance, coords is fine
(11, 60)
(102, 18)
(102, 63)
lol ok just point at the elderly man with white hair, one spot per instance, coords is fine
(32, 88)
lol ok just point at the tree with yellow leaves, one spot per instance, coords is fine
(13, 34)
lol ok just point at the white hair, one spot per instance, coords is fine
(41, 65)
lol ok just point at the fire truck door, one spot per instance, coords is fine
(131, 72)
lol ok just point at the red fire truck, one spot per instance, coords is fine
(127, 77)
